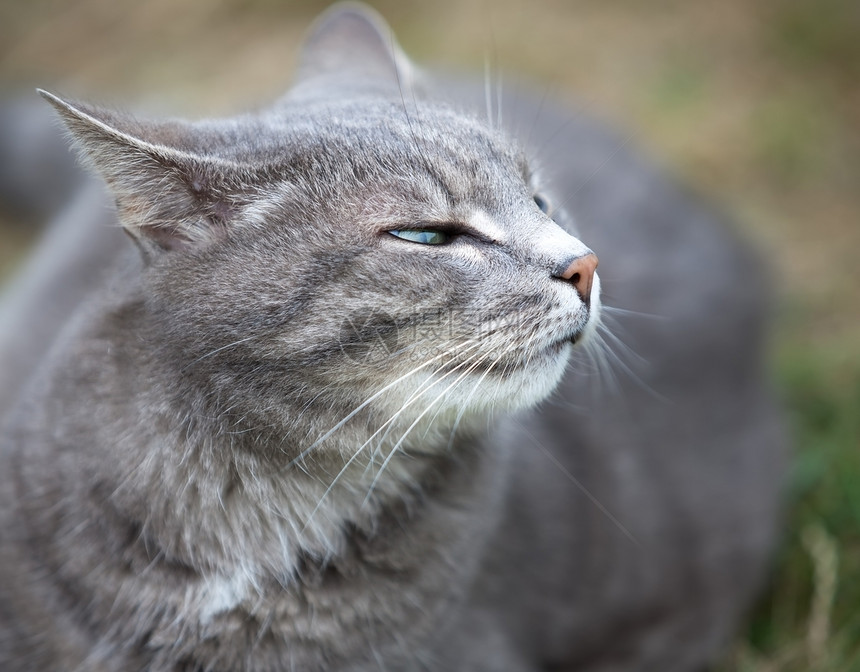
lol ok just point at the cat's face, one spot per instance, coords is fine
(389, 249)
(349, 251)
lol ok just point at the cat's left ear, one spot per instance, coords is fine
(168, 195)
(351, 45)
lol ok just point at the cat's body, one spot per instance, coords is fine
(178, 484)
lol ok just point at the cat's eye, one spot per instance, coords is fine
(423, 236)
(541, 203)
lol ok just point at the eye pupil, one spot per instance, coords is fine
(541, 203)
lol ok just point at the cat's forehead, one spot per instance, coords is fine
(380, 130)
(424, 162)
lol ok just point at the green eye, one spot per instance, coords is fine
(423, 236)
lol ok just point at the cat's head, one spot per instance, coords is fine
(356, 246)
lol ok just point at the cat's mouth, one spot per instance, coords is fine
(522, 359)
(574, 338)
(576, 335)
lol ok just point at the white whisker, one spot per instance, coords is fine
(413, 397)
(217, 350)
(421, 415)
(361, 406)
(581, 487)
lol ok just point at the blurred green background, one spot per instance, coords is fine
(757, 104)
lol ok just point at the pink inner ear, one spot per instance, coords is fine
(183, 237)
(166, 237)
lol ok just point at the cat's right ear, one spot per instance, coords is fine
(351, 45)
(168, 197)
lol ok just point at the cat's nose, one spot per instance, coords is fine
(579, 272)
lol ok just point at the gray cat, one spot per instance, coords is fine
(295, 420)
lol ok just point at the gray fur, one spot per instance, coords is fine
(181, 482)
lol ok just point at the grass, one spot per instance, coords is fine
(808, 619)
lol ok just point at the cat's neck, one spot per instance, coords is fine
(256, 523)
(212, 488)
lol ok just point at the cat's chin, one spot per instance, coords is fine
(490, 391)
(530, 385)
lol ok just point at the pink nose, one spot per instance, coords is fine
(580, 273)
